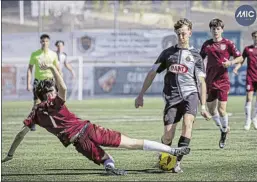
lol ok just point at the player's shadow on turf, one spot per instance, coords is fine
(55, 174)
(207, 129)
(209, 149)
(130, 171)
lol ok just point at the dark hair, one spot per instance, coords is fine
(182, 22)
(216, 23)
(43, 88)
(254, 32)
(44, 36)
(59, 41)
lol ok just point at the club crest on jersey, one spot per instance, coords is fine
(223, 47)
(178, 68)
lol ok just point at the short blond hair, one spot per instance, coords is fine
(182, 22)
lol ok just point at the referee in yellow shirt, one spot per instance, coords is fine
(41, 55)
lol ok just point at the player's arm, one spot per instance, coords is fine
(203, 88)
(69, 67)
(238, 66)
(62, 89)
(147, 83)
(200, 73)
(29, 72)
(235, 53)
(19, 137)
(158, 67)
(56, 64)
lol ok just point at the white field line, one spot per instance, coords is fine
(119, 119)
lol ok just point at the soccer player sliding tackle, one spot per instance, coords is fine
(53, 115)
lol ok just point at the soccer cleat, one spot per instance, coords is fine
(114, 171)
(33, 127)
(247, 125)
(181, 151)
(255, 123)
(177, 168)
(223, 139)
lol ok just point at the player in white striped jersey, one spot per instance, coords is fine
(62, 57)
(185, 74)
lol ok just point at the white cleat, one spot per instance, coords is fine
(177, 168)
(247, 125)
(255, 123)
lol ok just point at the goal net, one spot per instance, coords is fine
(14, 79)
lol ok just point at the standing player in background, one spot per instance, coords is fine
(53, 115)
(41, 55)
(218, 51)
(185, 71)
(250, 52)
(62, 57)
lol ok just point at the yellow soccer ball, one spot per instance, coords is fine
(167, 162)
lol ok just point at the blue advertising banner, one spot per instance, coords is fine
(129, 80)
(198, 38)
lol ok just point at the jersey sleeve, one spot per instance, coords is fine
(30, 119)
(65, 60)
(32, 59)
(233, 50)
(245, 53)
(199, 67)
(203, 50)
(160, 64)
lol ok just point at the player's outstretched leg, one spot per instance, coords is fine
(148, 145)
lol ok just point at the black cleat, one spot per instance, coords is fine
(222, 139)
(114, 171)
(33, 127)
(181, 151)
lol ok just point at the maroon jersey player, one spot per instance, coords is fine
(54, 116)
(218, 51)
(250, 52)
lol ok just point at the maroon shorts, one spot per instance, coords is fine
(94, 137)
(220, 94)
(251, 86)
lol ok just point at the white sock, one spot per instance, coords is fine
(156, 146)
(224, 122)
(109, 162)
(248, 108)
(216, 118)
(255, 110)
